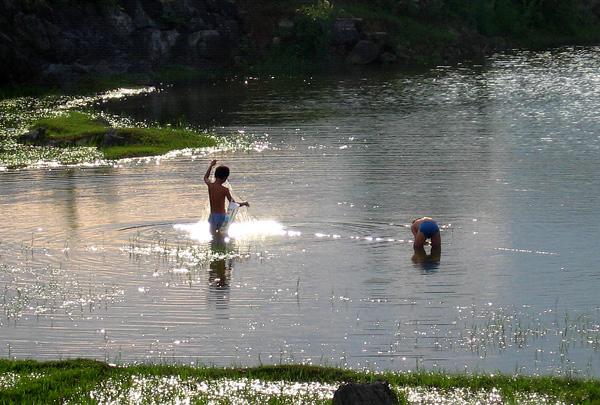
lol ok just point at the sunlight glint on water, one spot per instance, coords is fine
(114, 262)
(237, 230)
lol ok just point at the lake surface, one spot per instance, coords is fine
(113, 262)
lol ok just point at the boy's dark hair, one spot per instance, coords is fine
(222, 172)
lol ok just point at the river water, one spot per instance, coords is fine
(113, 262)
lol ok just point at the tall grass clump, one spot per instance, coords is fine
(308, 42)
(48, 382)
(313, 24)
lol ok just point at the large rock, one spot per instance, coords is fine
(209, 44)
(378, 393)
(383, 39)
(159, 43)
(345, 32)
(363, 53)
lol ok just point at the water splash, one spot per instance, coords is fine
(246, 230)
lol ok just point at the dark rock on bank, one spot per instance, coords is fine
(345, 33)
(113, 138)
(363, 53)
(359, 46)
(377, 393)
(33, 137)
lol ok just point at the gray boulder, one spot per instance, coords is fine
(113, 138)
(159, 43)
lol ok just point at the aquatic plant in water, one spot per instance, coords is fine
(34, 291)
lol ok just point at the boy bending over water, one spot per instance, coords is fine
(426, 228)
(217, 193)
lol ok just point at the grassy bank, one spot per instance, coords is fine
(80, 129)
(87, 381)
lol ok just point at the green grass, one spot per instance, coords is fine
(156, 141)
(88, 381)
(71, 127)
(50, 382)
(79, 129)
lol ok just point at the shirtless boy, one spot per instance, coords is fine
(217, 193)
(426, 228)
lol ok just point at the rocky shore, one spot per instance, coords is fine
(57, 42)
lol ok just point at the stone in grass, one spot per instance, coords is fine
(377, 393)
(33, 137)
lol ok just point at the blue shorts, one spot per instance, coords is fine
(429, 228)
(216, 220)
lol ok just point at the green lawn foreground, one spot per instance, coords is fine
(84, 381)
(80, 129)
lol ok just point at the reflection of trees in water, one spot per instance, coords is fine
(427, 262)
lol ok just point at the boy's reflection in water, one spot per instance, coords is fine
(219, 273)
(427, 262)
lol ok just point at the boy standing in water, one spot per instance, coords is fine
(426, 228)
(217, 193)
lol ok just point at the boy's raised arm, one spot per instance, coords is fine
(207, 174)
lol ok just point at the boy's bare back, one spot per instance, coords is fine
(217, 194)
